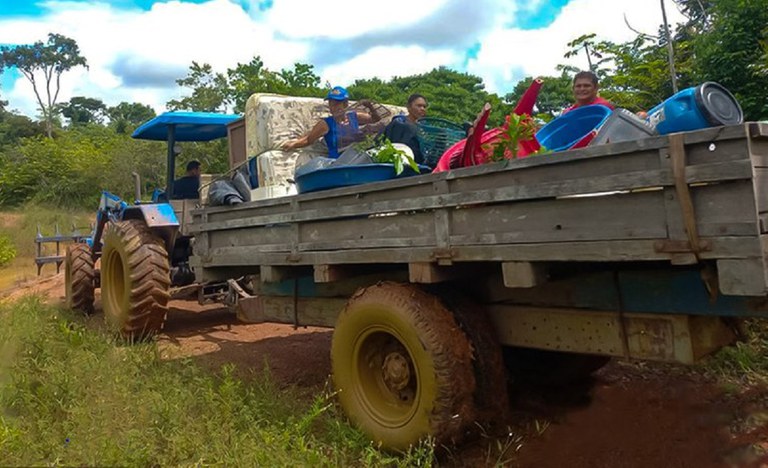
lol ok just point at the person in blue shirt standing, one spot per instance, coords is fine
(340, 129)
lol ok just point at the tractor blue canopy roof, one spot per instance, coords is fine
(190, 126)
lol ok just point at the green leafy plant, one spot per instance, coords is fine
(383, 151)
(7, 251)
(517, 128)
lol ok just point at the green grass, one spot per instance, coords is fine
(70, 395)
(746, 361)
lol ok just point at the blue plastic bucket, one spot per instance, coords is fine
(568, 129)
(706, 105)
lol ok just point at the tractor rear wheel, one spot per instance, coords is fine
(135, 279)
(402, 367)
(79, 278)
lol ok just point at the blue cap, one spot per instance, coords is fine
(337, 94)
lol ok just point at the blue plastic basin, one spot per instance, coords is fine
(568, 129)
(345, 176)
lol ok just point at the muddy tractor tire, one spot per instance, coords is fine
(135, 280)
(491, 398)
(540, 367)
(79, 278)
(402, 367)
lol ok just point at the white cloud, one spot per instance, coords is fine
(538, 52)
(346, 18)
(169, 36)
(386, 62)
(134, 55)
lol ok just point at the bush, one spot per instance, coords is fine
(7, 251)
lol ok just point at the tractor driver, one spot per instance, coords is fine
(187, 187)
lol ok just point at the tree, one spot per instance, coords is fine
(125, 117)
(555, 95)
(451, 95)
(51, 59)
(210, 91)
(587, 43)
(253, 77)
(732, 49)
(81, 110)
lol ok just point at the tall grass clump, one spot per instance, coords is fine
(7, 250)
(69, 395)
(747, 360)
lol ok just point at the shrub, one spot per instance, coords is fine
(7, 251)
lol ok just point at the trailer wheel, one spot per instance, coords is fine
(491, 397)
(402, 367)
(79, 278)
(135, 279)
(540, 367)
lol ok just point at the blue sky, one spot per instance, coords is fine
(136, 49)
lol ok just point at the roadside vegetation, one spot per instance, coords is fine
(70, 395)
(746, 362)
(18, 228)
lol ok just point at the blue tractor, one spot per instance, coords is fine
(143, 248)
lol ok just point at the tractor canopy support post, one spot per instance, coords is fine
(170, 172)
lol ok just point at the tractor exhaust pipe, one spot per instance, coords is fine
(137, 186)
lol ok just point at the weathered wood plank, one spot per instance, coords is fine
(431, 273)
(275, 274)
(523, 274)
(742, 277)
(595, 251)
(303, 311)
(507, 191)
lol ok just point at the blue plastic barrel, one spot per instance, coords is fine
(568, 129)
(706, 105)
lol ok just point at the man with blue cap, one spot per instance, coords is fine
(341, 128)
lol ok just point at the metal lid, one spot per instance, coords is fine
(718, 105)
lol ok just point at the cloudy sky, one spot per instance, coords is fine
(137, 48)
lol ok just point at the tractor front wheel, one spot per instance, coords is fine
(135, 279)
(79, 278)
(402, 366)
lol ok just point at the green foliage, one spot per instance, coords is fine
(72, 170)
(126, 117)
(14, 127)
(7, 251)
(52, 59)
(732, 52)
(253, 77)
(587, 43)
(387, 153)
(209, 90)
(517, 128)
(747, 360)
(69, 396)
(81, 110)
(214, 92)
(451, 95)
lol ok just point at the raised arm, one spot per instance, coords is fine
(317, 132)
(367, 117)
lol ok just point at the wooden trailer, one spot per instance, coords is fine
(440, 286)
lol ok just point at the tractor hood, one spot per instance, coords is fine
(189, 126)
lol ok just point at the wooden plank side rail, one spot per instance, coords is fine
(699, 194)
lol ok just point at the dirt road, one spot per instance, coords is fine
(630, 415)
